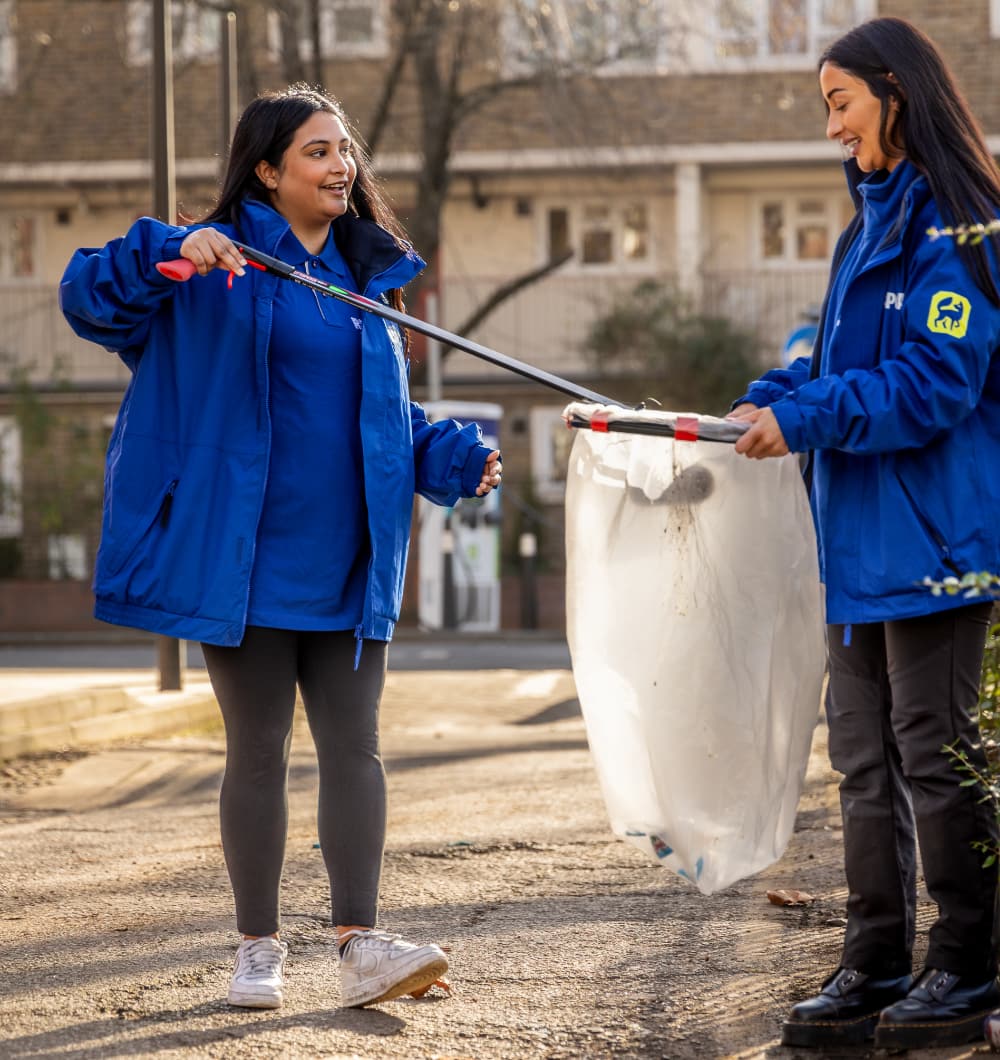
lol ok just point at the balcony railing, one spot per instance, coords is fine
(768, 302)
(38, 347)
(546, 324)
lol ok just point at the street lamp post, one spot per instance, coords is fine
(165, 208)
(228, 85)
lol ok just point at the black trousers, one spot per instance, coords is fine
(255, 685)
(899, 692)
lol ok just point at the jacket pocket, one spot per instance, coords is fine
(930, 528)
(123, 551)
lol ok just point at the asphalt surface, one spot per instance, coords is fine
(117, 928)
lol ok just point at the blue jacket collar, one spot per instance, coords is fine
(887, 203)
(372, 254)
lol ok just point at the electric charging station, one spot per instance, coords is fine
(459, 547)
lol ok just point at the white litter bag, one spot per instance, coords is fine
(695, 625)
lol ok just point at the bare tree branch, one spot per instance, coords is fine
(407, 12)
(507, 290)
(292, 67)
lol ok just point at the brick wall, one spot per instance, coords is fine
(78, 100)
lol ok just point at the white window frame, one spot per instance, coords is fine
(548, 479)
(705, 45)
(11, 522)
(790, 200)
(8, 46)
(6, 276)
(557, 49)
(994, 19)
(199, 38)
(375, 48)
(687, 37)
(576, 208)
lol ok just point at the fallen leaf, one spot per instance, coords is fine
(789, 897)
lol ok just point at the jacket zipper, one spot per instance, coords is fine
(359, 630)
(166, 506)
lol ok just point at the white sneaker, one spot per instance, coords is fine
(258, 976)
(377, 966)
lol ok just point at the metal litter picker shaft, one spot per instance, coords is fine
(182, 269)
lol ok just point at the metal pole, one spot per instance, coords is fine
(449, 604)
(168, 659)
(527, 550)
(165, 208)
(433, 352)
(228, 85)
(162, 123)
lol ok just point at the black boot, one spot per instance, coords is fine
(845, 1011)
(941, 1009)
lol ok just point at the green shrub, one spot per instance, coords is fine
(686, 360)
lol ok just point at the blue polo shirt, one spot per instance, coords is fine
(312, 550)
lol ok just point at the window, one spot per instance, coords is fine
(19, 257)
(600, 234)
(10, 477)
(640, 36)
(347, 29)
(8, 46)
(797, 230)
(619, 34)
(551, 440)
(195, 31)
(774, 33)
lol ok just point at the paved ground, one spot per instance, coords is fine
(117, 931)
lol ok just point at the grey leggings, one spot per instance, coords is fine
(255, 685)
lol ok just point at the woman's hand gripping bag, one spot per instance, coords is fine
(695, 626)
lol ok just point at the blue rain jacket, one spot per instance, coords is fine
(188, 458)
(903, 416)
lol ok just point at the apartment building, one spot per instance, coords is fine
(667, 140)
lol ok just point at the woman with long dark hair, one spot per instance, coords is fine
(899, 406)
(258, 499)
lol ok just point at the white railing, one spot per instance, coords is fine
(37, 345)
(545, 325)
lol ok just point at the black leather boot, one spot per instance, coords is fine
(941, 1009)
(845, 1011)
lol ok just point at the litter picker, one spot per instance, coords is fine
(613, 416)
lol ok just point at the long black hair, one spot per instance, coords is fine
(934, 126)
(263, 133)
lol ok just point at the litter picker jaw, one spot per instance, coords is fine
(685, 427)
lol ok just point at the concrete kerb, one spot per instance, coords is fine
(46, 710)
(98, 710)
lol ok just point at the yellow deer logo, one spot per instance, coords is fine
(949, 314)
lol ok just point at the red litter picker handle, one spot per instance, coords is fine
(181, 269)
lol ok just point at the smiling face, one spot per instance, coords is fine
(312, 185)
(855, 119)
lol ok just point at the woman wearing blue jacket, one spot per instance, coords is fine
(258, 498)
(900, 407)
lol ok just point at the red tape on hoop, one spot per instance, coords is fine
(686, 429)
(599, 422)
